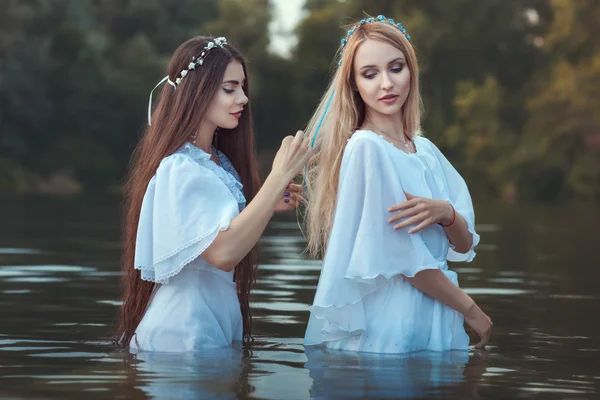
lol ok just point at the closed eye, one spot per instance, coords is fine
(370, 71)
(370, 74)
(397, 68)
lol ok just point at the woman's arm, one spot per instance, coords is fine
(436, 284)
(457, 230)
(423, 212)
(232, 245)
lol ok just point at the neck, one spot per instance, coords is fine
(391, 125)
(204, 137)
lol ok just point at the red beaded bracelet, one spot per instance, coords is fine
(453, 217)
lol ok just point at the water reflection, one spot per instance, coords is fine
(59, 295)
(367, 375)
(209, 374)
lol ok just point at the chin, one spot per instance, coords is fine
(383, 110)
(229, 125)
(389, 111)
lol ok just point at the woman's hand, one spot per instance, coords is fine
(292, 156)
(421, 212)
(289, 199)
(480, 323)
(234, 243)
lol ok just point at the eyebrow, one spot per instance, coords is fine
(235, 82)
(375, 66)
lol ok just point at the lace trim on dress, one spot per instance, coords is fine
(233, 184)
(164, 278)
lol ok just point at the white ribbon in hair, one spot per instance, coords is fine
(166, 78)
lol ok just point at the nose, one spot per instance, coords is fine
(386, 82)
(242, 99)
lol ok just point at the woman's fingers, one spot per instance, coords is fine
(303, 143)
(423, 208)
(481, 324)
(289, 203)
(289, 200)
(397, 207)
(404, 205)
(481, 344)
(404, 214)
(301, 140)
(485, 338)
(292, 156)
(292, 191)
(299, 152)
(410, 221)
(421, 226)
(306, 142)
(294, 188)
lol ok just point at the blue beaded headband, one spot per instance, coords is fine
(380, 18)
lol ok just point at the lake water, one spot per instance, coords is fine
(537, 275)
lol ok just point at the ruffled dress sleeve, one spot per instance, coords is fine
(185, 207)
(364, 250)
(460, 198)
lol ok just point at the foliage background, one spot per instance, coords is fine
(511, 88)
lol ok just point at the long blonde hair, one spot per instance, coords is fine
(346, 113)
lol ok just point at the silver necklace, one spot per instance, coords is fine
(405, 142)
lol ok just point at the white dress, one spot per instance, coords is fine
(188, 202)
(362, 302)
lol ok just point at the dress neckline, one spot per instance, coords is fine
(414, 140)
(199, 154)
(230, 178)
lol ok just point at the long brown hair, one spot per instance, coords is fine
(179, 114)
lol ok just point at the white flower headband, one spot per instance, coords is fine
(196, 61)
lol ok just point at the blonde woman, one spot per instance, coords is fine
(386, 208)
